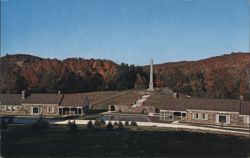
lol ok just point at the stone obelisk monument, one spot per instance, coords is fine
(151, 82)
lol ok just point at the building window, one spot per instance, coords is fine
(79, 111)
(8, 108)
(204, 116)
(222, 119)
(193, 116)
(177, 113)
(197, 116)
(164, 115)
(13, 108)
(50, 109)
(35, 110)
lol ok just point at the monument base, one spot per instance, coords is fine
(151, 88)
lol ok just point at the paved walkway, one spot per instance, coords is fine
(174, 126)
(125, 118)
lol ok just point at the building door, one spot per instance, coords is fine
(79, 111)
(60, 111)
(112, 108)
(177, 116)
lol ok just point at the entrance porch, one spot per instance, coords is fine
(173, 115)
(71, 111)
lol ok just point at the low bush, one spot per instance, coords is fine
(40, 124)
(115, 123)
(72, 126)
(133, 123)
(120, 125)
(97, 123)
(126, 123)
(90, 125)
(102, 122)
(109, 126)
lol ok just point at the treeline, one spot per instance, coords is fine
(218, 77)
(127, 77)
(219, 83)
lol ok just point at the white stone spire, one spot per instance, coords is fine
(151, 82)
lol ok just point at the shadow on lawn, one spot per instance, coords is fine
(130, 142)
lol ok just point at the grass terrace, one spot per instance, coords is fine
(58, 141)
(101, 100)
(157, 99)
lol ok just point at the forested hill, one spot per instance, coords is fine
(222, 76)
(71, 75)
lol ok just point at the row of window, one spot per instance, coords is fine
(200, 116)
(37, 110)
(10, 108)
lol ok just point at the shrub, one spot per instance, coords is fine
(102, 122)
(72, 126)
(115, 123)
(4, 124)
(90, 125)
(109, 126)
(97, 123)
(40, 124)
(133, 123)
(120, 125)
(126, 123)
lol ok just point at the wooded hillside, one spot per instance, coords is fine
(225, 76)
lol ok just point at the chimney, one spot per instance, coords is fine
(241, 102)
(23, 94)
(241, 98)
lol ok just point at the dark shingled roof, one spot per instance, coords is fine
(75, 100)
(200, 104)
(10, 99)
(43, 99)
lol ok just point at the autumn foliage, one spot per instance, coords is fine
(225, 76)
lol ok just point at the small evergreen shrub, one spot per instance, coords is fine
(90, 125)
(72, 126)
(102, 122)
(4, 124)
(120, 125)
(115, 123)
(97, 123)
(133, 123)
(126, 123)
(109, 126)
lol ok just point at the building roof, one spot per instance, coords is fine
(183, 104)
(43, 99)
(10, 99)
(74, 100)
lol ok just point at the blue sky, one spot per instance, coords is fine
(130, 31)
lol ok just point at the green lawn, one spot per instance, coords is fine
(137, 141)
